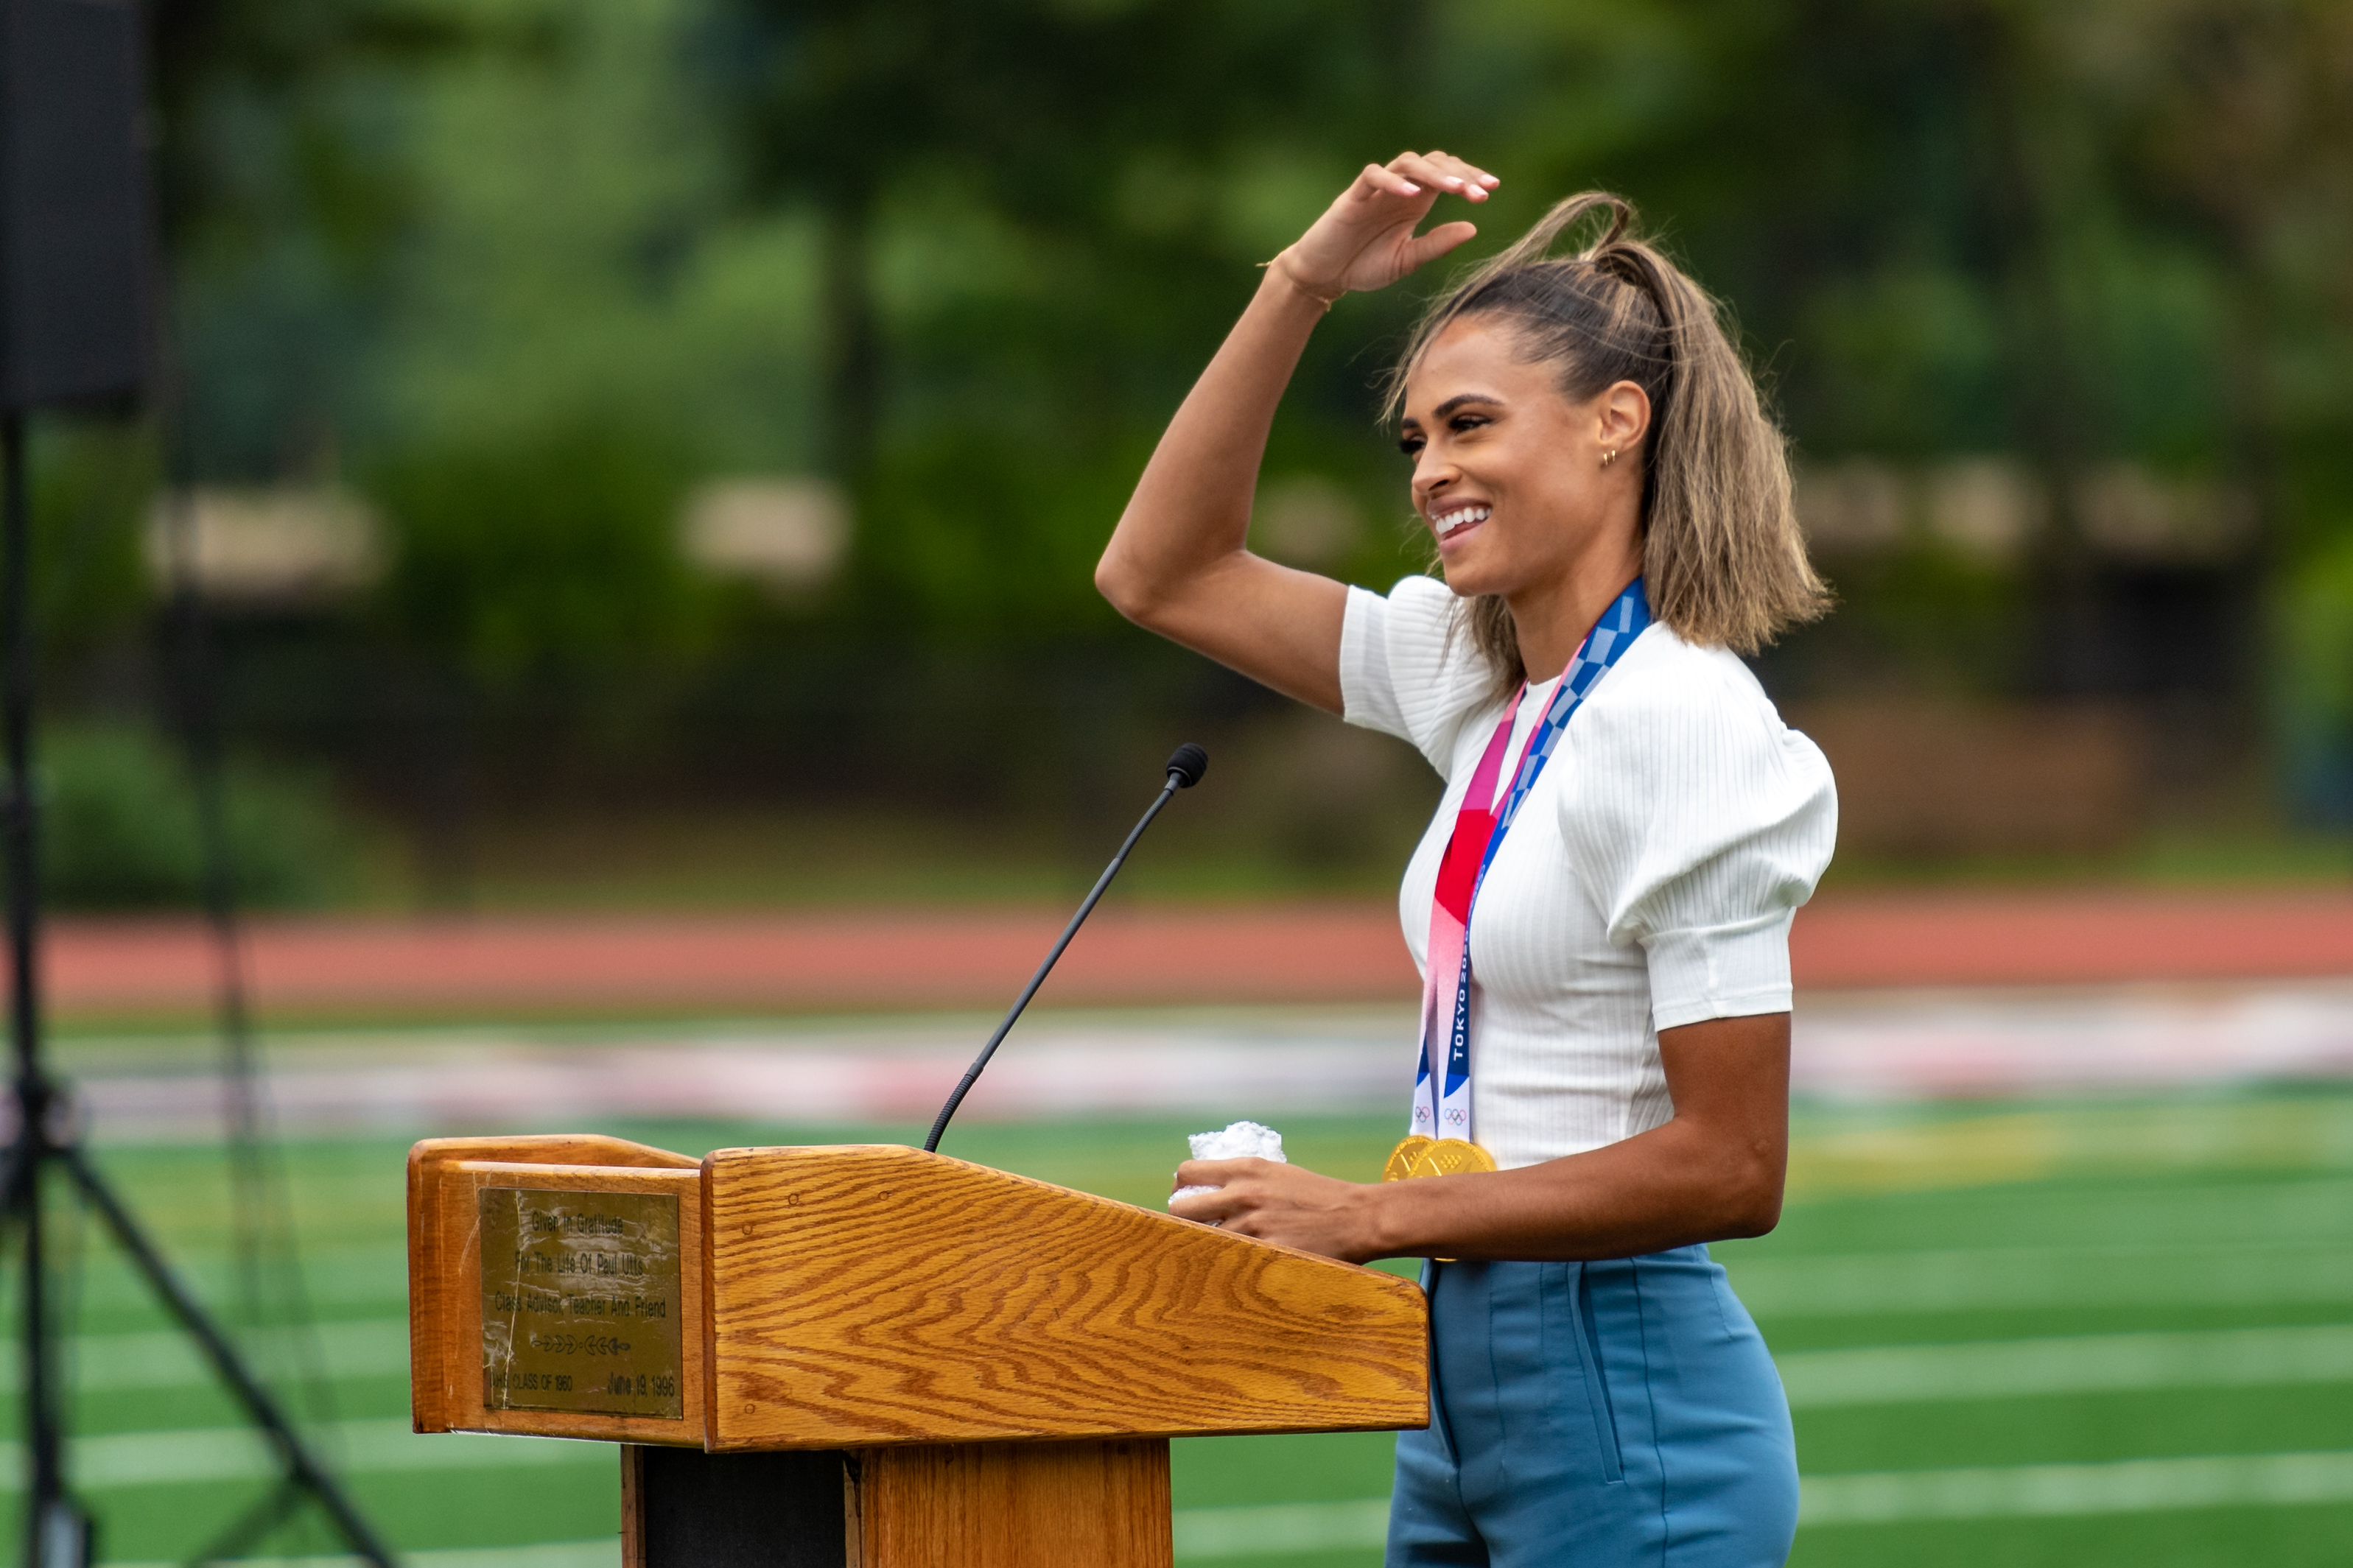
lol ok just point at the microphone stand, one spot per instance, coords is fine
(1186, 767)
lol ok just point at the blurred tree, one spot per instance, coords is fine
(1033, 215)
(2233, 129)
(966, 257)
(548, 550)
(282, 195)
(119, 829)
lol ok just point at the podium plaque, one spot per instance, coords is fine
(580, 1301)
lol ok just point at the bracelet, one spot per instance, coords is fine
(1290, 278)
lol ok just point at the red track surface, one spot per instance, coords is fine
(1308, 952)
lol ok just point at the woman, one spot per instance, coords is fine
(1605, 1071)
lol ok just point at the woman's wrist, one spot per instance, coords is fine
(1380, 1223)
(1281, 269)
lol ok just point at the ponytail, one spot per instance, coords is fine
(1722, 560)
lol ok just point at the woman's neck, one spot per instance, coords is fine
(1553, 619)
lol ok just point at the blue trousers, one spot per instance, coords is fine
(1596, 1416)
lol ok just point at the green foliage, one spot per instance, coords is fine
(2316, 637)
(532, 268)
(90, 493)
(1922, 615)
(2314, 656)
(966, 535)
(553, 548)
(120, 828)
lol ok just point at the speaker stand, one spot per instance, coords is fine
(58, 1532)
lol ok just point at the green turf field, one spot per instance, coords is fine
(2090, 1334)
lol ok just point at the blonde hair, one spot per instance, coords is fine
(1722, 560)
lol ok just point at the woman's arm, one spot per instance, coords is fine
(1713, 1172)
(1178, 561)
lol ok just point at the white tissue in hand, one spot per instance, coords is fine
(1242, 1141)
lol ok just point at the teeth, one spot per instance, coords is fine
(1449, 522)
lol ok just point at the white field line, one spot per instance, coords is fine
(2300, 1266)
(1280, 1528)
(606, 1554)
(1840, 1285)
(2303, 1270)
(1836, 1284)
(2129, 1486)
(2089, 1364)
(1232, 1062)
(376, 1347)
(114, 1460)
(1935, 1044)
(1995, 1279)
(2026, 1492)
(2132, 1486)
(1816, 1378)
(332, 1276)
(1874, 1374)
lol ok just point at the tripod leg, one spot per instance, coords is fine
(56, 1533)
(250, 1528)
(302, 1469)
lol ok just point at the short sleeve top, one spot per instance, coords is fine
(1649, 881)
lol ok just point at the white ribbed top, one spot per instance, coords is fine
(1648, 881)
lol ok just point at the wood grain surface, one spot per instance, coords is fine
(445, 1288)
(429, 1319)
(876, 1295)
(1017, 1505)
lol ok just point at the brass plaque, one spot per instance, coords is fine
(580, 1302)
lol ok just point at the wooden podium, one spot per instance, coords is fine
(871, 1356)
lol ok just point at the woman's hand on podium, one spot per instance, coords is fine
(1713, 1172)
(1280, 1203)
(1365, 240)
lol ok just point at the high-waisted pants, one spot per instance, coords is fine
(1596, 1416)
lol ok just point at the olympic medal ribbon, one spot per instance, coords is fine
(1441, 1108)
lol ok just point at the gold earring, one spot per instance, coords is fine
(1609, 456)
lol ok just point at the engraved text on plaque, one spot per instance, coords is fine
(580, 1302)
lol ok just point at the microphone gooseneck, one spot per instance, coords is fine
(1186, 765)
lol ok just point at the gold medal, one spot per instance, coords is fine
(1420, 1156)
(1401, 1158)
(1449, 1157)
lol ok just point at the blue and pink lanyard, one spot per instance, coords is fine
(1480, 825)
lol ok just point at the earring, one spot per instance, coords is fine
(1609, 456)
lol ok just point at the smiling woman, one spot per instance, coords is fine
(1604, 897)
(1622, 339)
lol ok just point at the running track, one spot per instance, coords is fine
(897, 960)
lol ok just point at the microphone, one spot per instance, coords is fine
(1185, 767)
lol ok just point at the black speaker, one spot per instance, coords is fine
(742, 1510)
(76, 252)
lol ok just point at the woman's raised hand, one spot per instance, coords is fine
(1365, 240)
(1179, 562)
